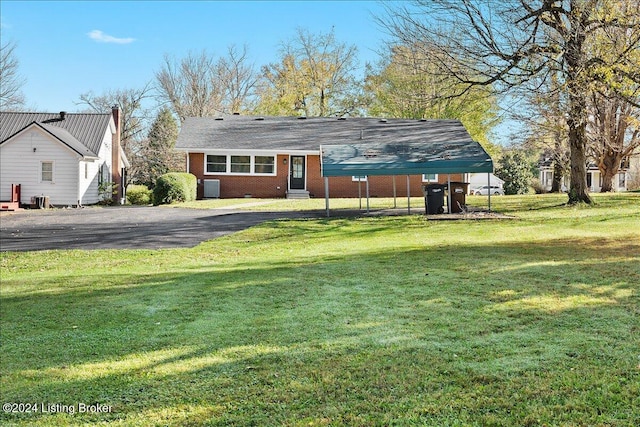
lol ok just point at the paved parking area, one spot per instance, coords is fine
(125, 227)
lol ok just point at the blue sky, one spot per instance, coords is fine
(66, 48)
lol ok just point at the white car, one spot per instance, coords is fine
(484, 190)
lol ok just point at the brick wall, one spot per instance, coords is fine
(276, 186)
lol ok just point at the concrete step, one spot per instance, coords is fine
(297, 194)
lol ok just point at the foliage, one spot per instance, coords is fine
(519, 44)
(515, 169)
(349, 322)
(314, 78)
(158, 154)
(174, 187)
(106, 191)
(406, 86)
(11, 82)
(139, 195)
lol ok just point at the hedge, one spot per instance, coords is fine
(175, 187)
(139, 195)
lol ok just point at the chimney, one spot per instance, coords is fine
(116, 163)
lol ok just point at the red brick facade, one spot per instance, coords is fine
(276, 186)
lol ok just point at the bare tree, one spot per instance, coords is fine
(133, 120)
(200, 85)
(614, 133)
(191, 85)
(514, 43)
(238, 79)
(11, 82)
(133, 114)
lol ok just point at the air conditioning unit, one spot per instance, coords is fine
(211, 188)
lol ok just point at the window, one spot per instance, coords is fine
(46, 172)
(264, 164)
(359, 178)
(430, 177)
(240, 164)
(245, 164)
(216, 164)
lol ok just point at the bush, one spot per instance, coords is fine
(175, 187)
(139, 195)
(515, 171)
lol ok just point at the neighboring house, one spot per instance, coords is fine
(67, 158)
(594, 177)
(270, 157)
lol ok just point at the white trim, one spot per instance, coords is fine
(364, 178)
(435, 179)
(53, 172)
(306, 168)
(258, 152)
(252, 164)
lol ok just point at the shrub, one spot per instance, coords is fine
(139, 195)
(175, 187)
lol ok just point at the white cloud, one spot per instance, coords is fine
(101, 37)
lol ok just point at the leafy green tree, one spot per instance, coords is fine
(515, 169)
(406, 86)
(314, 77)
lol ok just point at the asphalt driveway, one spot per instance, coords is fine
(125, 227)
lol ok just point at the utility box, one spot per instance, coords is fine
(434, 198)
(211, 189)
(40, 202)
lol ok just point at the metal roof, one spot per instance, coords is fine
(405, 158)
(87, 129)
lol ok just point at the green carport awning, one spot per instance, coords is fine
(404, 158)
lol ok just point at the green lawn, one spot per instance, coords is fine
(358, 322)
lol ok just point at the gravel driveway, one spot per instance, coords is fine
(125, 227)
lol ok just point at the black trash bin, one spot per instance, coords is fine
(434, 198)
(458, 196)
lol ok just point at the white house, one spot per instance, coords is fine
(65, 158)
(594, 178)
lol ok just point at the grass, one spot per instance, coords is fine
(363, 321)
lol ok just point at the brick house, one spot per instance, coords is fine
(272, 157)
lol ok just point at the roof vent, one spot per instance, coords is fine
(382, 120)
(302, 118)
(62, 115)
(219, 118)
(259, 118)
(236, 114)
(423, 120)
(342, 118)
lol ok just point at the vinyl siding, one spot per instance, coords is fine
(20, 164)
(89, 186)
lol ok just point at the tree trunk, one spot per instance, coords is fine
(577, 114)
(558, 175)
(578, 191)
(609, 165)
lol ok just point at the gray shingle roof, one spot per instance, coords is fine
(86, 129)
(293, 133)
